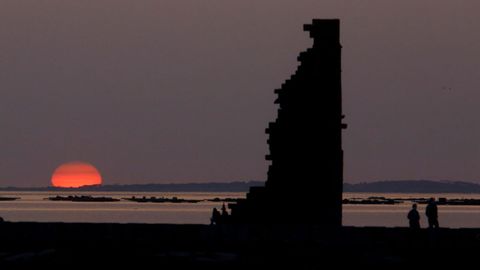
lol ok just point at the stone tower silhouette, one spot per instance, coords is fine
(305, 178)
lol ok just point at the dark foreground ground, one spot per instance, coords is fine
(77, 245)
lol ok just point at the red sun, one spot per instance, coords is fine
(76, 174)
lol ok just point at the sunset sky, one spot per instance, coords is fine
(181, 91)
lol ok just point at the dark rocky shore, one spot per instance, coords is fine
(60, 245)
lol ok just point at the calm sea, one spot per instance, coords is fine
(33, 207)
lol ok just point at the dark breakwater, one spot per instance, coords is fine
(58, 245)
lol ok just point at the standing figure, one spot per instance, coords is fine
(432, 213)
(225, 217)
(224, 211)
(214, 220)
(414, 217)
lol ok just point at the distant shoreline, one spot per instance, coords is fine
(414, 186)
(188, 187)
(391, 186)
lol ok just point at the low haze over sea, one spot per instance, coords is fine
(34, 206)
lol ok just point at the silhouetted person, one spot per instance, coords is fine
(224, 211)
(224, 216)
(414, 217)
(215, 217)
(432, 213)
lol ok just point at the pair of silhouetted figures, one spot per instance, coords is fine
(431, 212)
(217, 217)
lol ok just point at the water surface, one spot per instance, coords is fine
(33, 207)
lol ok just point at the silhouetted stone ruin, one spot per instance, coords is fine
(305, 178)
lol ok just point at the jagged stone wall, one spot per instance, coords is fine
(304, 182)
